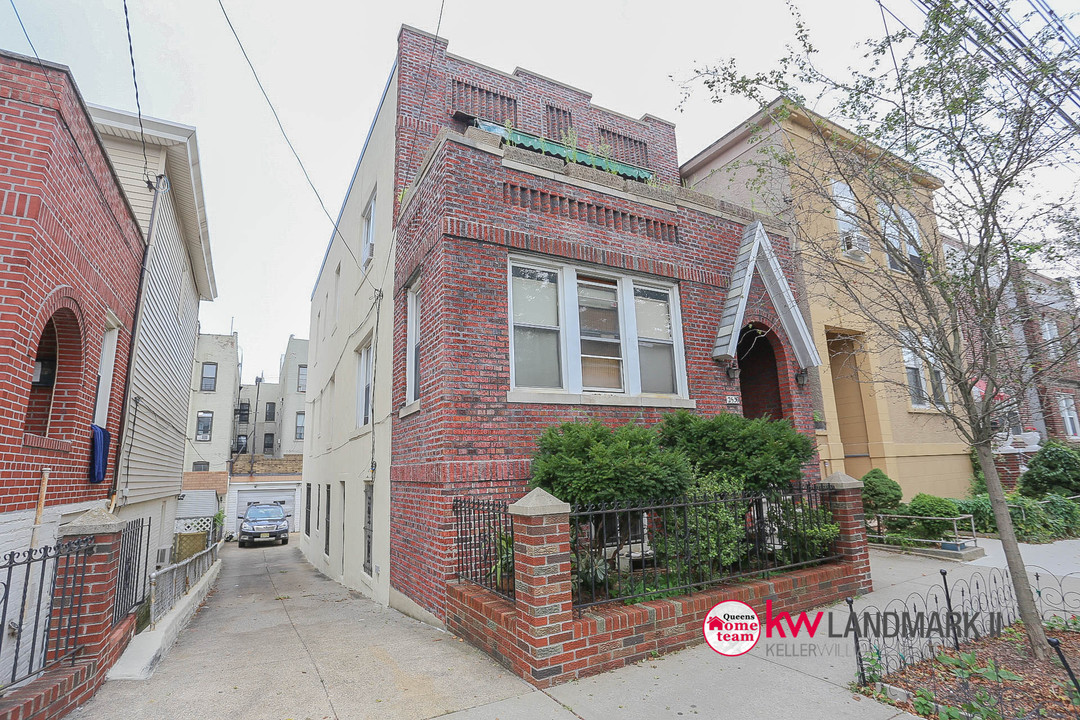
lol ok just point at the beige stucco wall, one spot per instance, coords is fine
(918, 448)
(336, 451)
(220, 349)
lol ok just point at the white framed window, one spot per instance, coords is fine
(299, 427)
(208, 381)
(1050, 336)
(335, 309)
(367, 237)
(204, 426)
(579, 330)
(925, 376)
(901, 235)
(301, 378)
(365, 368)
(412, 345)
(106, 364)
(1069, 418)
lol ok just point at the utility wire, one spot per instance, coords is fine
(60, 116)
(337, 230)
(138, 105)
(427, 80)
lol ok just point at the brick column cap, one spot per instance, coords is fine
(96, 521)
(842, 481)
(539, 502)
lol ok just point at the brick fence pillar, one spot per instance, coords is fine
(845, 501)
(97, 596)
(542, 584)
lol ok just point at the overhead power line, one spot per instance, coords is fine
(138, 105)
(285, 135)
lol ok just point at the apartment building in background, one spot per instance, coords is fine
(876, 402)
(215, 391)
(503, 282)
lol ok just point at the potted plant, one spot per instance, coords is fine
(819, 421)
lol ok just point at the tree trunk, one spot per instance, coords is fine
(1024, 599)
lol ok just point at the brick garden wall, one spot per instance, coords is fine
(540, 637)
(70, 249)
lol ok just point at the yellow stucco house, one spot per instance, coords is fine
(876, 405)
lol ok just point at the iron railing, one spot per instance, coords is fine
(485, 544)
(41, 608)
(637, 551)
(894, 529)
(169, 584)
(133, 567)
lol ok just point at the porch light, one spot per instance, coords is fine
(802, 377)
(732, 371)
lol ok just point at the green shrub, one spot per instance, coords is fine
(1030, 520)
(981, 511)
(1063, 513)
(697, 544)
(925, 506)
(586, 462)
(881, 494)
(807, 532)
(1054, 469)
(765, 455)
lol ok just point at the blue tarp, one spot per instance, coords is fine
(99, 453)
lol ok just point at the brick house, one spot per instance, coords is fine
(1050, 407)
(489, 280)
(71, 251)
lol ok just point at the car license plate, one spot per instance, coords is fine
(264, 535)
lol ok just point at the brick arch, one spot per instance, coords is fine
(766, 375)
(59, 336)
(62, 297)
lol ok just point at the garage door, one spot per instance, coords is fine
(285, 498)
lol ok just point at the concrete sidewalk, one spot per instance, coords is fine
(278, 640)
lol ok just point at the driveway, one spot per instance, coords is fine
(278, 640)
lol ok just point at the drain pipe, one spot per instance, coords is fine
(161, 184)
(43, 488)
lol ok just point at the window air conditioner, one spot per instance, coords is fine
(855, 244)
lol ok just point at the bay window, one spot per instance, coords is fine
(583, 331)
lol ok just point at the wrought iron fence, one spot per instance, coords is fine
(953, 613)
(638, 551)
(485, 544)
(133, 566)
(169, 584)
(41, 608)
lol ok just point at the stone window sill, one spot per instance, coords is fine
(45, 443)
(409, 409)
(560, 398)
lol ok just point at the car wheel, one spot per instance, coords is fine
(284, 541)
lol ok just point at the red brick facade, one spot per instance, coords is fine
(70, 250)
(467, 213)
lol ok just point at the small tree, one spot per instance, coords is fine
(954, 108)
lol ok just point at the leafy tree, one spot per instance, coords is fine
(956, 124)
(763, 455)
(587, 462)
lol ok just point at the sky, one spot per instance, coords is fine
(324, 65)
